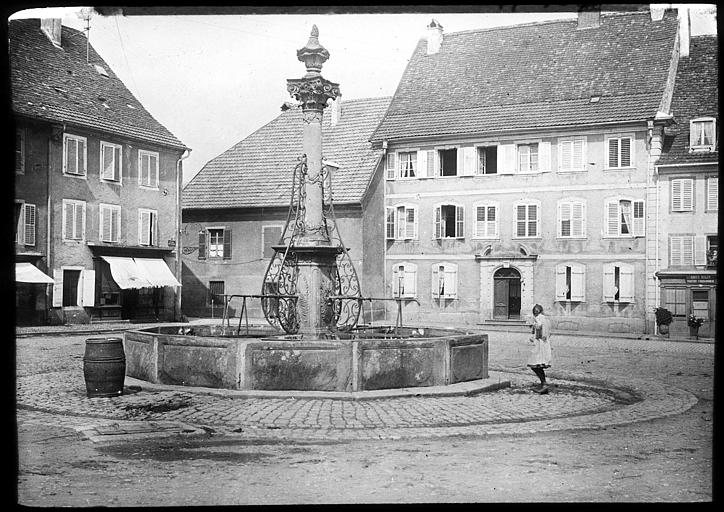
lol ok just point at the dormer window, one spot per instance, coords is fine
(702, 134)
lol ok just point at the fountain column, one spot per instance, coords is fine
(314, 252)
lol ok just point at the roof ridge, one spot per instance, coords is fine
(367, 98)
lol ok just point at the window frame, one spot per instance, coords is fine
(480, 149)
(560, 294)
(217, 256)
(153, 234)
(439, 162)
(113, 146)
(518, 145)
(486, 205)
(407, 268)
(572, 140)
(449, 269)
(692, 195)
(415, 169)
(571, 201)
(633, 233)
(395, 221)
(210, 294)
(145, 153)
(631, 271)
(459, 217)
(101, 216)
(681, 238)
(77, 139)
(20, 151)
(606, 152)
(84, 208)
(699, 148)
(531, 202)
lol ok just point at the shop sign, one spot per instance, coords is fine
(700, 279)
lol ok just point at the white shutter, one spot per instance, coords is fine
(579, 155)
(675, 244)
(29, 227)
(438, 223)
(410, 280)
(639, 218)
(390, 167)
(608, 282)
(712, 194)
(544, 157)
(578, 288)
(67, 220)
(89, 288)
(687, 195)
(82, 167)
(105, 223)
(561, 287)
(676, 195)
(459, 222)
(435, 281)
(469, 161)
(422, 164)
(565, 155)
(433, 168)
(390, 224)
(506, 159)
(460, 161)
(395, 281)
(687, 250)
(144, 225)
(57, 288)
(700, 250)
(116, 224)
(612, 218)
(451, 285)
(626, 283)
(401, 222)
(577, 219)
(410, 223)
(564, 214)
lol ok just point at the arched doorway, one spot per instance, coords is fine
(506, 294)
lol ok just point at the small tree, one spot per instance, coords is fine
(663, 316)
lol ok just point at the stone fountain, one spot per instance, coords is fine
(311, 298)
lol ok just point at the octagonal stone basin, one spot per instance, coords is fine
(367, 358)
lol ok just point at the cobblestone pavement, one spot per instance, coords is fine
(56, 385)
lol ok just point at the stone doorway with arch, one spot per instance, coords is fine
(507, 291)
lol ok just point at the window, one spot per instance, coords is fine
(449, 221)
(712, 251)
(488, 160)
(682, 195)
(712, 194)
(73, 219)
(215, 243)
(448, 162)
(572, 155)
(486, 221)
(700, 303)
(110, 222)
(20, 151)
(147, 169)
(619, 152)
(618, 282)
(270, 236)
(216, 293)
(147, 221)
(74, 155)
(111, 161)
(404, 280)
(25, 215)
(624, 217)
(444, 282)
(681, 250)
(407, 162)
(528, 157)
(527, 220)
(401, 222)
(390, 167)
(571, 282)
(572, 218)
(702, 134)
(675, 301)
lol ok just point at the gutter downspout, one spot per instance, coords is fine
(48, 232)
(384, 216)
(657, 266)
(179, 172)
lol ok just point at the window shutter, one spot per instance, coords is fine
(29, 228)
(202, 245)
(89, 288)
(469, 161)
(410, 223)
(396, 282)
(67, 220)
(79, 221)
(533, 220)
(82, 169)
(227, 243)
(391, 166)
(401, 222)
(712, 194)
(410, 281)
(612, 221)
(422, 164)
(565, 155)
(451, 278)
(579, 155)
(520, 217)
(687, 250)
(435, 281)
(675, 243)
(116, 224)
(459, 222)
(460, 161)
(578, 281)
(625, 152)
(700, 250)
(626, 283)
(390, 224)
(676, 195)
(432, 167)
(577, 219)
(438, 223)
(493, 221)
(105, 222)
(612, 153)
(480, 221)
(561, 287)
(57, 288)
(506, 159)
(144, 226)
(544, 156)
(608, 282)
(564, 214)
(639, 219)
(106, 162)
(687, 195)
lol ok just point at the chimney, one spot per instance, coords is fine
(51, 27)
(657, 13)
(336, 110)
(434, 37)
(684, 31)
(589, 17)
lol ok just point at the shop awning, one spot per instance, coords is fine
(156, 271)
(29, 273)
(140, 272)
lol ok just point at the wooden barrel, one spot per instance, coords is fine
(104, 366)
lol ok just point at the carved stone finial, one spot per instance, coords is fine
(313, 54)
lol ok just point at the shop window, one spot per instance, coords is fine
(675, 301)
(700, 303)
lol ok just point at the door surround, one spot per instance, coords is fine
(489, 265)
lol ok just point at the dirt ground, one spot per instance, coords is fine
(664, 460)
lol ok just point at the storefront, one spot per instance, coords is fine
(687, 292)
(31, 291)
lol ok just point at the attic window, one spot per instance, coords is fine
(100, 70)
(702, 133)
(595, 99)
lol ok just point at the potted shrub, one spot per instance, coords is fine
(663, 319)
(694, 324)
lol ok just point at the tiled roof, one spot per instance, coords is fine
(517, 77)
(58, 85)
(696, 94)
(257, 172)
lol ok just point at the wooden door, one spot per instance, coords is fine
(514, 298)
(500, 298)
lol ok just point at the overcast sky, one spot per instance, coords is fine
(214, 79)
